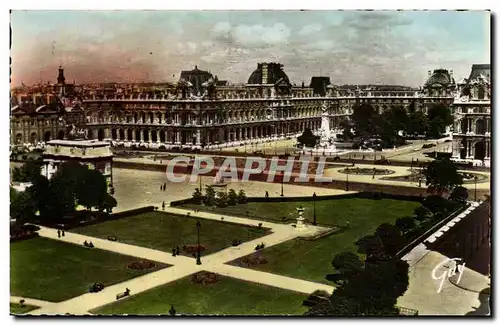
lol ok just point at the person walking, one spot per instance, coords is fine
(163, 205)
(58, 233)
(62, 233)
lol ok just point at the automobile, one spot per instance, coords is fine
(383, 161)
(428, 145)
(447, 140)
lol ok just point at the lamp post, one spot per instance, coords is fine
(282, 179)
(475, 188)
(198, 260)
(200, 182)
(347, 179)
(314, 208)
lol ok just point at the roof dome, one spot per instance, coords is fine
(440, 76)
(268, 73)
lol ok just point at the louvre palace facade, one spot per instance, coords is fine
(202, 111)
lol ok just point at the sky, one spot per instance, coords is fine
(350, 47)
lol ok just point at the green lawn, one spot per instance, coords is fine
(162, 231)
(227, 297)
(17, 309)
(311, 260)
(50, 270)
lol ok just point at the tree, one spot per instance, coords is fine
(391, 238)
(108, 203)
(197, 196)
(417, 124)
(92, 189)
(435, 128)
(435, 203)
(442, 175)
(405, 224)
(242, 198)
(374, 291)
(459, 194)
(22, 207)
(232, 198)
(27, 172)
(421, 213)
(308, 139)
(440, 117)
(209, 199)
(365, 119)
(347, 130)
(371, 246)
(399, 118)
(348, 264)
(222, 200)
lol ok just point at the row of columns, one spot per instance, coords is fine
(197, 136)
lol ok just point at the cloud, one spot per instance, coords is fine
(349, 47)
(310, 29)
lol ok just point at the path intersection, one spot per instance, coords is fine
(181, 266)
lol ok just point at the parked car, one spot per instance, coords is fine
(383, 161)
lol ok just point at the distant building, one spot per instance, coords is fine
(92, 153)
(43, 113)
(472, 110)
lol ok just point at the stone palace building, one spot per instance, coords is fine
(202, 111)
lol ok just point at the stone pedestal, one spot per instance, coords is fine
(300, 220)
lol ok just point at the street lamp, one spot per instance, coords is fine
(198, 226)
(314, 208)
(475, 188)
(347, 179)
(282, 179)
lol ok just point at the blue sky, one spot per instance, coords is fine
(385, 47)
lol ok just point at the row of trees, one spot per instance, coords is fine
(220, 199)
(368, 122)
(73, 184)
(370, 287)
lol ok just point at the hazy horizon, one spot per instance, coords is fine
(350, 47)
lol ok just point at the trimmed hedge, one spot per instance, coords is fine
(113, 216)
(363, 195)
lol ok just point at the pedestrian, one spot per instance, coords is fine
(58, 233)
(164, 186)
(177, 250)
(85, 244)
(62, 233)
(163, 205)
(161, 187)
(173, 251)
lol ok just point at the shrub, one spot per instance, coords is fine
(459, 194)
(222, 200)
(232, 198)
(197, 196)
(242, 198)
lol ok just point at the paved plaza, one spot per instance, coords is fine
(137, 188)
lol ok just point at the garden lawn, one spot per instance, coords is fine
(163, 231)
(229, 296)
(50, 270)
(18, 309)
(311, 259)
